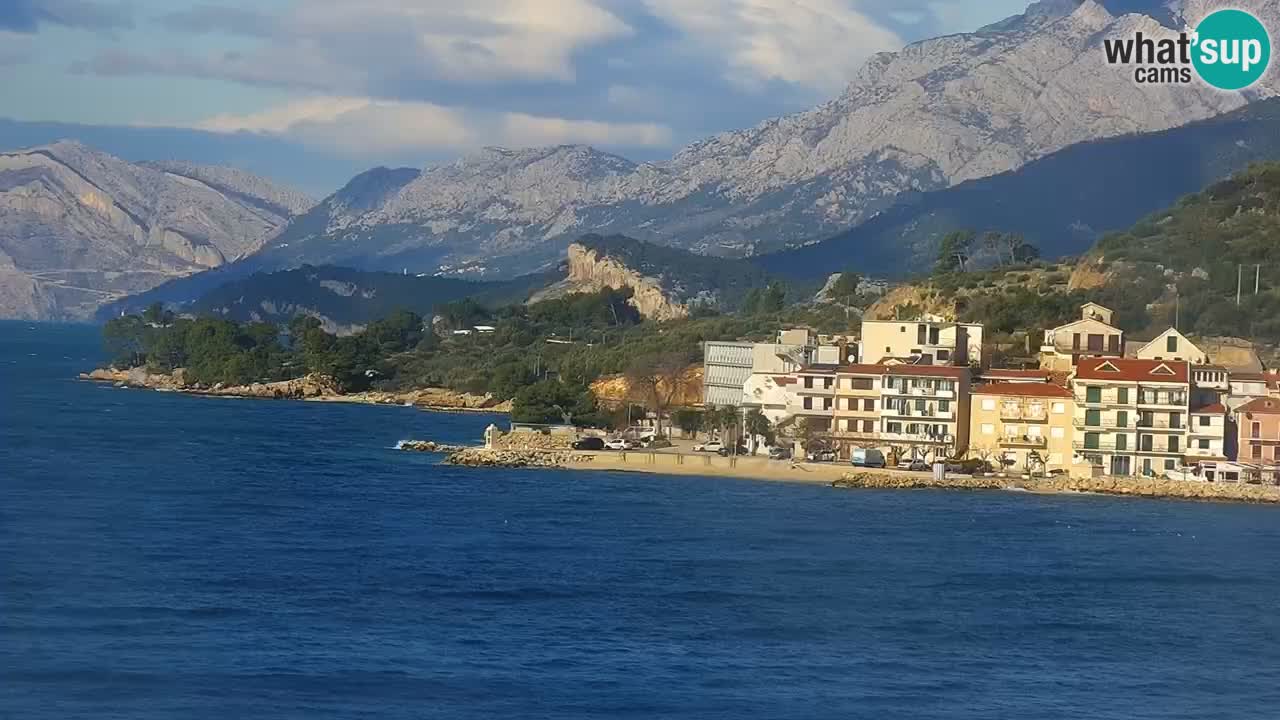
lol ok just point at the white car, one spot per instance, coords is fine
(619, 444)
(713, 446)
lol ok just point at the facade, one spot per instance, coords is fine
(770, 394)
(1028, 425)
(1131, 415)
(1172, 345)
(726, 368)
(1208, 437)
(1259, 437)
(857, 408)
(813, 397)
(1092, 335)
(924, 410)
(932, 340)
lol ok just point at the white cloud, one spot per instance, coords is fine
(357, 126)
(817, 44)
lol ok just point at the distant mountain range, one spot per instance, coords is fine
(934, 115)
(79, 227)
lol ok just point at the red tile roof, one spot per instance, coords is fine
(862, 369)
(784, 380)
(1023, 389)
(1133, 370)
(1011, 373)
(1261, 406)
(1214, 409)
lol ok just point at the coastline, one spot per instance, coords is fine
(847, 477)
(309, 388)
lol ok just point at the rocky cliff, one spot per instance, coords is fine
(79, 228)
(935, 114)
(590, 270)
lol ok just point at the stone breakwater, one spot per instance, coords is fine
(427, 446)
(481, 457)
(315, 386)
(1135, 487)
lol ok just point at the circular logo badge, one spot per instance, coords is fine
(1232, 50)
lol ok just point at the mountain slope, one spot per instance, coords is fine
(1062, 203)
(79, 227)
(938, 113)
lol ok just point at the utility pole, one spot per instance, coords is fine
(1257, 277)
(1239, 276)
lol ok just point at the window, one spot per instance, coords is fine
(1175, 420)
(808, 382)
(988, 404)
(1122, 419)
(808, 403)
(933, 336)
(826, 383)
(1122, 442)
(868, 426)
(1059, 408)
(1093, 394)
(1033, 431)
(988, 429)
(1204, 421)
(1091, 441)
(1095, 343)
(1146, 467)
(1204, 443)
(1257, 430)
(1011, 431)
(861, 384)
(1114, 343)
(944, 355)
(1171, 344)
(1275, 452)
(921, 407)
(944, 406)
(1146, 442)
(1257, 452)
(1146, 419)
(1057, 433)
(1075, 341)
(922, 335)
(1093, 418)
(869, 405)
(1169, 464)
(1175, 443)
(1122, 396)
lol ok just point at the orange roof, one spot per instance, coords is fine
(1214, 409)
(1133, 370)
(1012, 373)
(1023, 389)
(1261, 406)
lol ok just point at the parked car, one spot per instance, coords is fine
(779, 453)
(866, 458)
(589, 443)
(969, 467)
(619, 444)
(822, 456)
(727, 451)
(710, 446)
(913, 465)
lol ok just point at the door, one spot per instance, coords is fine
(1120, 465)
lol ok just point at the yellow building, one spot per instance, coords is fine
(1028, 425)
(857, 408)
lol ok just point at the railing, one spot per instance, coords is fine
(1159, 425)
(1098, 446)
(1024, 441)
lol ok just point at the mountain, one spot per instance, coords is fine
(936, 114)
(1062, 203)
(79, 227)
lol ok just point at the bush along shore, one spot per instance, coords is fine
(1129, 486)
(314, 386)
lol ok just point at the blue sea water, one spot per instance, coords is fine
(167, 556)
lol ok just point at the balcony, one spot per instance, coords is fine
(1158, 425)
(816, 390)
(1095, 447)
(915, 438)
(1029, 414)
(1162, 401)
(853, 435)
(1034, 441)
(944, 416)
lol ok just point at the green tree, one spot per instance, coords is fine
(690, 421)
(954, 251)
(756, 425)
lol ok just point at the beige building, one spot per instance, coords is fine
(1131, 415)
(1259, 438)
(1172, 345)
(924, 410)
(929, 341)
(1028, 425)
(857, 408)
(1092, 335)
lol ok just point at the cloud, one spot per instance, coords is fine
(813, 43)
(205, 18)
(358, 126)
(15, 48)
(27, 16)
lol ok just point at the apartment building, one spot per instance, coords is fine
(925, 409)
(726, 367)
(1209, 437)
(1259, 437)
(1028, 425)
(928, 341)
(1092, 335)
(859, 393)
(813, 397)
(1131, 415)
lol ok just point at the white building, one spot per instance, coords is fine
(930, 340)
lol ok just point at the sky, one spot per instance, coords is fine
(416, 80)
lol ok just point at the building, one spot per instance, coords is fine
(856, 419)
(1131, 415)
(1209, 384)
(1092, 335)
(930, 341)
(1028, 425)
(726, 368)
(924, 410)
(1259, 437)
(1209, 437)
(1172, 345)
(813, 397)
(770, 394)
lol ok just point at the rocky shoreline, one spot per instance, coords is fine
(313, 387)
(482, 457)
(1122, 486)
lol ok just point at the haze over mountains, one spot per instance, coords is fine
(79, 228)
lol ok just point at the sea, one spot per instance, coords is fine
(164, 556)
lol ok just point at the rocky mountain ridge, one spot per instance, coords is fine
(937, 113)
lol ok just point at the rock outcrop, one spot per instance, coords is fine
(427, 446)
(935, 114)
(480, 457)
(83, 227)
(590, 271)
